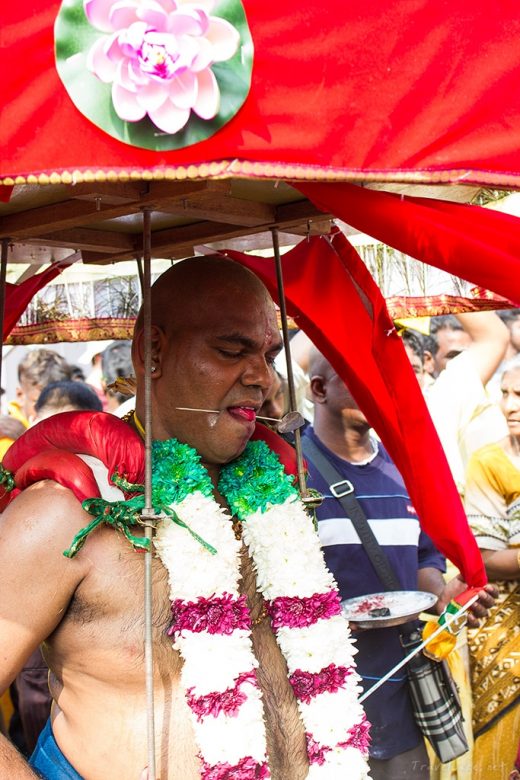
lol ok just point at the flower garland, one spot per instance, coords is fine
(211, 618)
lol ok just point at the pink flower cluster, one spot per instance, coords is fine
(316, 752)
(217, 615)
(246, 769)
(294, 612)
(157, 54)
(358, 737)
(228, 701)
(306, 685)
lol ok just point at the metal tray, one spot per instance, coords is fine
(399, 606)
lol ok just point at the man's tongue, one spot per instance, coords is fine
(243, 412)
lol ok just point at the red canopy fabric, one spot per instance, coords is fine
(385, 91)
(17, 296)
(331, 295)
(477, 244)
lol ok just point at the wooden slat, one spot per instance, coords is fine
(179, 241)
(222, 208)
(87, 239)
(81, 212)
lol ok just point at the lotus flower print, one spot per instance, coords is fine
(157, 55)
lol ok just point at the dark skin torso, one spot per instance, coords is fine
(97, 679)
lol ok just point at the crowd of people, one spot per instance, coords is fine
(48, 385)
(216, 356)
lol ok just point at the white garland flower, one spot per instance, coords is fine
(195, 571)
(284, 544)
(230, 738)
(314, 647)
(329, 716)
(344, 763)
(222, 657)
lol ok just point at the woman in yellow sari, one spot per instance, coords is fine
(493, 506)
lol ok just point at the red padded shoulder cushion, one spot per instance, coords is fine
(61, 466)
(100, 434)
(50, 450)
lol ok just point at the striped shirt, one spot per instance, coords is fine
(381, 492)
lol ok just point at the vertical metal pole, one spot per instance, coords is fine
(3, 272)
(148, 513)
(140, 273)
(290, 376)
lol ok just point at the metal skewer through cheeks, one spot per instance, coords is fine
(289, 423)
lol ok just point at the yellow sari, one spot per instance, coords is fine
(493, 507)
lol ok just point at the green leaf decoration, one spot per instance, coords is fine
(74, 36)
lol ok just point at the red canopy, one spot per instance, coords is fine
(422, 90)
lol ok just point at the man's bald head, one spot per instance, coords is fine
(335, 409)
(185, 289)
(318, 364)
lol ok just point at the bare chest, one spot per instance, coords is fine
(101, 638)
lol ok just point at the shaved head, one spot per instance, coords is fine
(185, 289)
(318, 364)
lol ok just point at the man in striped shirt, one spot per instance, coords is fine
(344, 436)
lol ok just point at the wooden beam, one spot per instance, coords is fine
(87, 239)
(298, 214)
(79, 212)
(179, 241)
(110, 194)
(313, 227)
(217, 207)
(162, 194)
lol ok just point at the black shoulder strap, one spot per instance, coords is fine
(343, 490)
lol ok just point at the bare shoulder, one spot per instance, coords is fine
(43, 518)
(37, 582)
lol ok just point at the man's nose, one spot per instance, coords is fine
(258, 372)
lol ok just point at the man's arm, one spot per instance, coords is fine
(502, 564)
(12, 763)
(36, 581)
(489, 341)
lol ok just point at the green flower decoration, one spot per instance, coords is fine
(177, 472)
(255, 481)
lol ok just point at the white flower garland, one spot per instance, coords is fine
(211, 621)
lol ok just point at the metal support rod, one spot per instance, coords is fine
(290, 376)
(140, 273)
(148, 512)
(3, 272)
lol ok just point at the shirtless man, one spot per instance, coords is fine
(214, 341)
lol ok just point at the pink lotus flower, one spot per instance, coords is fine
(158, 56)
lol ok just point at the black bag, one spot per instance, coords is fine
(435, 701)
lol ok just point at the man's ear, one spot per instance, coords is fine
(318, 387)
(158, 343)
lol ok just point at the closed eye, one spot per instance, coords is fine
(228, 353)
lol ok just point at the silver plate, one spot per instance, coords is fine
(403, 605)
